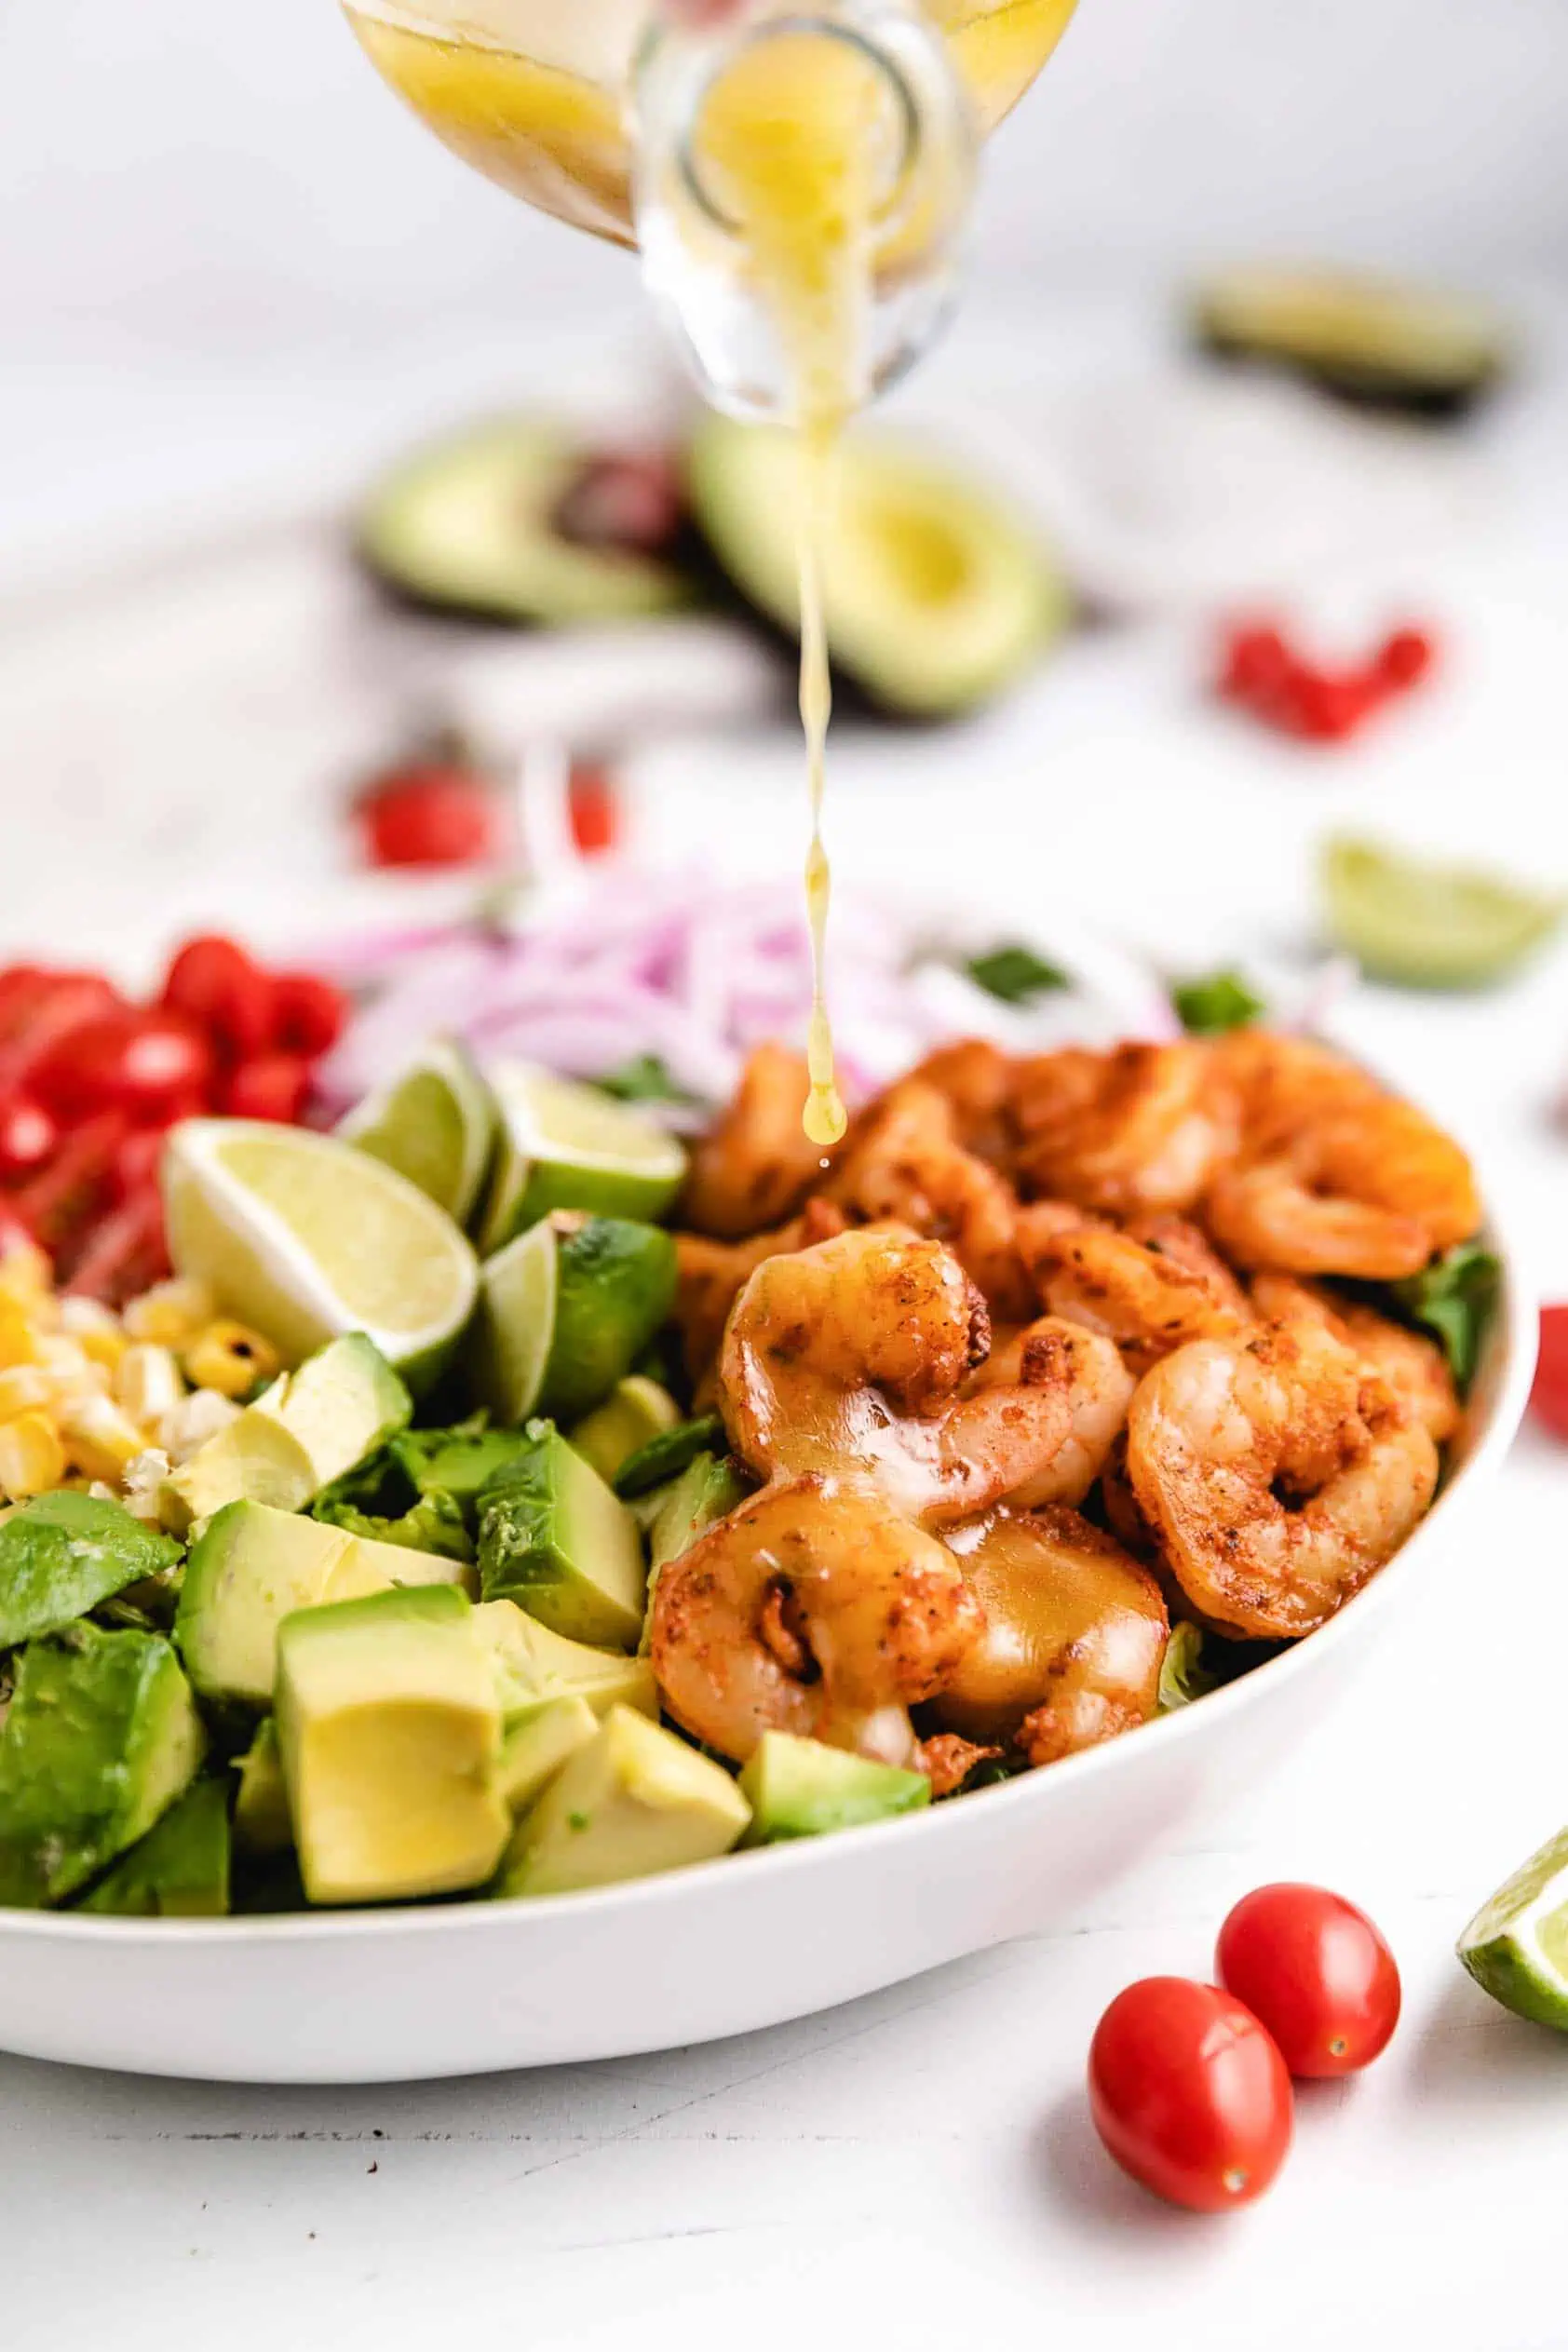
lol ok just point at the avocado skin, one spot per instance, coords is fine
(100, 1737)
(801, 1788)
(181, 1867)
(61, 1554)
(1442, 401)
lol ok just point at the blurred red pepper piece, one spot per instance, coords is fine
(1262, 673)
(275, 1086)
(593, 810)
(309, 1014)
(1548, 1396)
(214, 983)
(430, 813)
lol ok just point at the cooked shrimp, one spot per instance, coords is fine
(811, 1609)
(976, 1079)
(903, 1161)
(1415, 1366)
(754, 1165)
(851, 1355)
(1151, 1287)
(1137, 1130)
(1074, 1633)
(1279, 1474)
(710, 1276)
(1058, 1354)
(1334, 1175)
(1374, 1190)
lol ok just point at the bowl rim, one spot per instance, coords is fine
(1504, 1381)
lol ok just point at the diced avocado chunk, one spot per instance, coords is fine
(533, 1753)
(799, 1788)
(555, 1539)
(61, 1554)
(389, 1726)
(634, 1802)
(100, 1737)
(535, 1667)
(466, 1461)
(181, 1867)
(636, 1410)
(261, 1809)
(304, 1432)
(251, 1566)
(707, 1490)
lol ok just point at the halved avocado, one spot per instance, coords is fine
(482, 524)
(934, 595)
(1369, 339)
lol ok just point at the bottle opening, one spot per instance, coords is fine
(806, 109)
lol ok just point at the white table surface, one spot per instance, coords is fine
(915, 2170)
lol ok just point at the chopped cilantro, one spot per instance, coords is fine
(1456, 1298)
(646, 1079)
(1215, 1002)
(1015, 974)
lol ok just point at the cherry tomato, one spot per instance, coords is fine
(1405, 658)
(58, 1203)
(1549, 1397)
(275, 1086)
(144, 1063)
(1330, 708)
(28, 1135)
(1189, 2094)
(592, 808)
(217, 985)
(432, 815)
(134, 1167)
(1255, 660)
(44, 1015)
(309, 1014)
(1317, 1972)
(124, 1254)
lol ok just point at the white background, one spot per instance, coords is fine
(230, 266)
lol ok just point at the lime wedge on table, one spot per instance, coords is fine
(565, 1145)
(303, 1237)
(1516, 1947)
(1424, 925)
(565, 1310)
(435, 1123)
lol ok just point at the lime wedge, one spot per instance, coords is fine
(565, 1145)
(435, 1123)
(1429, 925)
(1516, 1947)
(303, 1237)
(565, 1310)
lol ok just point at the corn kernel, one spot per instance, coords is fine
(170, 1314)
(19, 1336)
(71, 1374)
(229, 1357)
(32, 1457)
(99, 1440)
(24, 1388)
(25, 1271)
(148, 1381)
(95, 1329)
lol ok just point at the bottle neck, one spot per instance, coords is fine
(803, 180)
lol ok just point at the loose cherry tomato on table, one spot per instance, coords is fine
(593, 810)
(309, 1013)
(430, 814)
(1405, 658)
(225, 991)
(275, 1086)
(1189, 2093)
(28, 1135)
(1549, 1396)
(146, 1065)
(1317, 1972)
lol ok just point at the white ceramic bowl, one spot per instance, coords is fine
(748, 1941)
